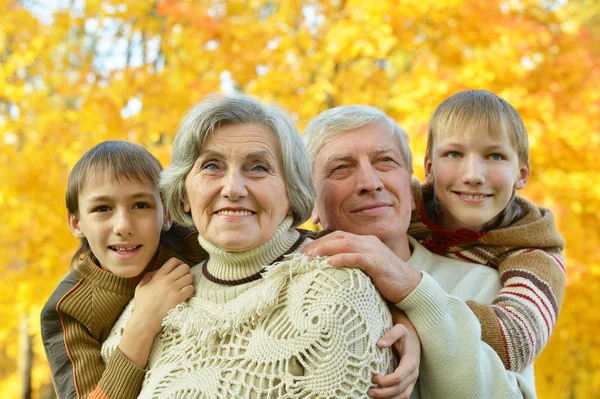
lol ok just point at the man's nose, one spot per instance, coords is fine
(369, 179)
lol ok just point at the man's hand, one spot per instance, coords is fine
(393, 278)
(399, 384)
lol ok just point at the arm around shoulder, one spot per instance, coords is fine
(455, 362)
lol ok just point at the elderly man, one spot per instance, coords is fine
(362, 172)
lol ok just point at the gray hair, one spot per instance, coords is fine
(349, 117)
(217, 110)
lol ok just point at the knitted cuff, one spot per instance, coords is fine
(122, 379)
(426, 305)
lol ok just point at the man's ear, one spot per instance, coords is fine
(428, 165)
(74, 225)
(523, 176)
(314, 216)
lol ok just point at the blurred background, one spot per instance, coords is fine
(76, 72)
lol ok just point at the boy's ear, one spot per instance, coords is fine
(167, 222)
(523, 176)
(74, 225)
(428, 165)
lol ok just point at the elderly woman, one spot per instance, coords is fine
(265, 321)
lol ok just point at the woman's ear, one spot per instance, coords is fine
(523, 176)
(75, 225)
(429, 178)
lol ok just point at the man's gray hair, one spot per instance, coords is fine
(218, 110)
(349, 117)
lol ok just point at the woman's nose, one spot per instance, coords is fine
(234, 187)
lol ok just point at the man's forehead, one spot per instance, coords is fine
(353, 144)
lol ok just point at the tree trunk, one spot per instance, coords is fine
(25, 358)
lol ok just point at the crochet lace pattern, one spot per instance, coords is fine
(305, 330)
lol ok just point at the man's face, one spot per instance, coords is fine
(363, 184)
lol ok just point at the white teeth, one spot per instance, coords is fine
(120, 249)
(235, 213)
(470, 196)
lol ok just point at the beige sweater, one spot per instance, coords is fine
(303, 329)
(456, 363)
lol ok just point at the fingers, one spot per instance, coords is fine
(399, 384)
(169, 266)
(331, 244)
(395, 335)
(360, 261)
(178, 272)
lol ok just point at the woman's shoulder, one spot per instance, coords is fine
(316, 274)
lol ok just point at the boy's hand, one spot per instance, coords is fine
(155, 295)
(401, 382)
(160, 291)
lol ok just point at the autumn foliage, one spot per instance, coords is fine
(74, 73)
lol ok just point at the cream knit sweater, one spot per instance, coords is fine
(303, 330)
(455, 362)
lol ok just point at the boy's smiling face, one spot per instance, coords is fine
(474, 175)
(121, 221)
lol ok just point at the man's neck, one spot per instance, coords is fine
(399, 246)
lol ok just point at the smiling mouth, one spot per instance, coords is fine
(234, 213)
(124, 249)
(472, 196)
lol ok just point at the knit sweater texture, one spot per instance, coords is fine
(455, 362)
(527, 254)
(78, 317)
(302, 330)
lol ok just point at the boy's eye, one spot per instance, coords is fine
(142, 205)
(101, 208)
(453, 154)
(496, 157)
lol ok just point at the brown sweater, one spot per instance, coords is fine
(78, 317)
(527, 255)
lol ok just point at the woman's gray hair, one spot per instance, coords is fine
(221, 110)
(349, 117)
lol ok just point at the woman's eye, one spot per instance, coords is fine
(142, 205)
(259, 168)
(210, 166)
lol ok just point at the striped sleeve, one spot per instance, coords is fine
(519, 322)
(74, 322)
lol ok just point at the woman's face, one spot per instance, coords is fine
(236, 190)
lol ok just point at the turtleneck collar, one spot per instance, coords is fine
(231, 266)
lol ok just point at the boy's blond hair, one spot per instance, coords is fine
(119, 160)
(477, 112)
